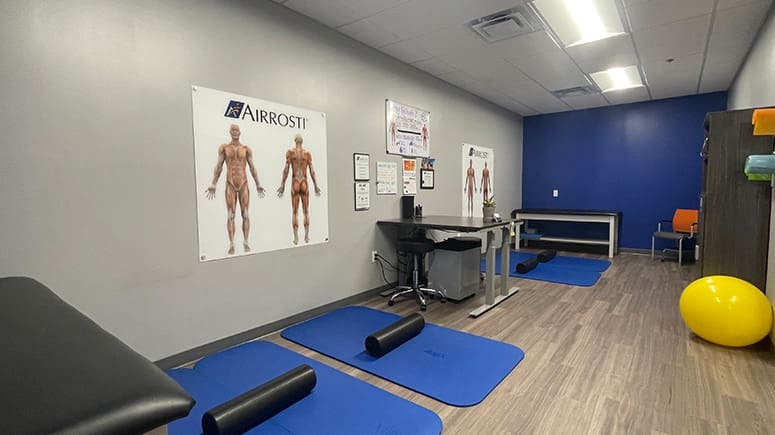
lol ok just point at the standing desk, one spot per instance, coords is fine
(471, 225)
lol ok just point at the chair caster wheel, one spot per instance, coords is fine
(423, 308)
(443, 300)
(391, 303)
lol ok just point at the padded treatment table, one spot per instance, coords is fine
(601, 216)
(339, 404)
(61, 373)
(451, 366)
(470, 225)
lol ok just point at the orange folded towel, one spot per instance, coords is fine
(763, 122)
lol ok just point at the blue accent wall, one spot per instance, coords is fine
(641, 159)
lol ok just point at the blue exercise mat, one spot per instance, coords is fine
(582, 272)
(339, 403)
(451, 366)
(588, 264)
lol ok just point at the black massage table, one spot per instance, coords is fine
(61, 373)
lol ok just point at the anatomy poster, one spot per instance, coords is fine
(408, 130)
(478, 176)
(261, 175)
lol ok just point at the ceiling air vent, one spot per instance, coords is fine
(506, 24)
(575, 92)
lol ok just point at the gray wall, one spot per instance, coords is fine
(754, 87)
(97, 192)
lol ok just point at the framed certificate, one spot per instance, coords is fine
(360, 167)
(426, 178)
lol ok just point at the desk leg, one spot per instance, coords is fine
(489, 292)
(490, 300)
(505, 259)
(611, 237)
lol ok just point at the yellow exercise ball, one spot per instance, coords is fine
(726, 310)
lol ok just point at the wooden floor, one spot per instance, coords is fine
(610, 359)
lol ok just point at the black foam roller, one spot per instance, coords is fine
(394, 335)
(547, 255)
(252, 408)
(527, 265)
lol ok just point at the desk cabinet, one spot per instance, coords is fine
(734, 212)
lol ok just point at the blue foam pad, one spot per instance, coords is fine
(451, 366)
(339, 403)
(582, 272)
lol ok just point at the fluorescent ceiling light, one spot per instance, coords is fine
(616, 79)
(579, 22)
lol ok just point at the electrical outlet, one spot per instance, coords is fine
(373, 256)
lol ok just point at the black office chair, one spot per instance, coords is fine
(416, 248)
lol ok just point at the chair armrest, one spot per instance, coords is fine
(659, 225)
(694, 229)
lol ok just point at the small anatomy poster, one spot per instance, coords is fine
(478, 175)
(387, 178)
(261, 174)
(410, 176)
(408, 130)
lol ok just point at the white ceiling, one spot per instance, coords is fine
(707, 40)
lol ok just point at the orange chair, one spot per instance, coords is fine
(684, 226)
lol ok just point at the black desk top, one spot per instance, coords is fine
(454, 223)
(568, 212)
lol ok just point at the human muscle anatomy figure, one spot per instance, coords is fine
(470, 186)
(299, 160)
(236, 155)
(485, 183)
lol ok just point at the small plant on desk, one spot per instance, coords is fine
(488, 207)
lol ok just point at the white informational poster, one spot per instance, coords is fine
(478, 174)
(387, 178)
(361, 167)
(408, 130)
(362, 195)
(261, 174)
(410, 176)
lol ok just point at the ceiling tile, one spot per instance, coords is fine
(523, 45)
(537, 98)
(628, 95)
(369, 33)
(335, 13)
(332, 14)
(604, 54)
(552, 69)
(406, 51)
(683, 69)
(457, 78)
(481, 8)
(434, 66)
(586, 101)
(717, 78)
(498, 72)
(449, 39)
(652, 13)
(680, 77)
(726, 4)
(673, 40)
(480, 64)
(734, 29)
(418, 17)
(719, 71)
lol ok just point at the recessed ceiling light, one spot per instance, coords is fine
(579, 22)
(616, 79)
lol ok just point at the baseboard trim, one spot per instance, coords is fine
(198, 352)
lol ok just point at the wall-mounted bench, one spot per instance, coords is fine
(598, 216)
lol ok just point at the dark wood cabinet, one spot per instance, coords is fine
(735, 212)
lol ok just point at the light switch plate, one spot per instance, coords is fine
(555, 193)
